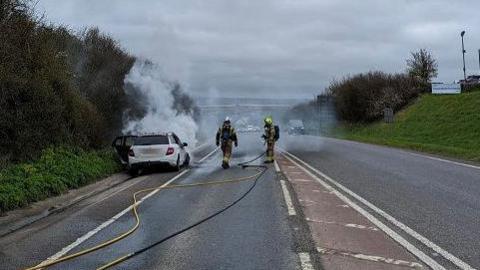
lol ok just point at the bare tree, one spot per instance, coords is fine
(422, 65)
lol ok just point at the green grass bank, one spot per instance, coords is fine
(56, 171)
(441, 124)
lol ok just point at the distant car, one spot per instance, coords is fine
(252, 128)
(295, 127)
(473, 79)
(138, 152)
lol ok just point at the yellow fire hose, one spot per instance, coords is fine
(137, 220)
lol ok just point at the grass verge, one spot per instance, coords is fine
(441, 124)
(56, 171)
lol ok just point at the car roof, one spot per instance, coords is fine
(147, 134)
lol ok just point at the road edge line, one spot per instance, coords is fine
(447, 255)
(446, 161)
(395, 236)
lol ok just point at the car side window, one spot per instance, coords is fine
(128, 141)
(177, 140)
(118, 142)
(171, 139)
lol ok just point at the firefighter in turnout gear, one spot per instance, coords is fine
(225, 138)
(269, 136)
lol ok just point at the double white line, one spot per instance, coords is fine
(398, 238)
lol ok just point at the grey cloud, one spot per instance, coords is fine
(286, 47)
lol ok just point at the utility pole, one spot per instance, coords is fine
(318, 116)
(463, 53)
(478, 59)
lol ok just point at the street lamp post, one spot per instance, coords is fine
(463, 53)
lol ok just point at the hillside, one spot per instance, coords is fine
(445, 124)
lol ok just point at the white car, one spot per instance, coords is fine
(138, 152)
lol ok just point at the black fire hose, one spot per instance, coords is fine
(142, 250)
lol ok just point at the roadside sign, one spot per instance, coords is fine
(443, 88)
(388, 115)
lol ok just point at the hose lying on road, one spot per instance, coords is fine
(255, 176)
(244, 164)
(140, 251)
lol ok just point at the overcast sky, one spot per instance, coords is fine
(280, 48)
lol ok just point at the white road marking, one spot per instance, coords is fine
(302, 180)
(288, 199)
(102, 226)
(201, 146)
(305, 261)
(319, 203)
(399, 239)
(328, 251)
(362, 227)
(277, 168)
(348, 225)
(447, 255)
(447, 161)
(209, 155)
(136, 181)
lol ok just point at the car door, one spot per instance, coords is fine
(122, 145)
(183, 153)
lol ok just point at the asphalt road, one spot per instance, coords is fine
(254, 234)
(438, 199)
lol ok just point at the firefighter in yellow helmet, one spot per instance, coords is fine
(269, 136)
(225, 138)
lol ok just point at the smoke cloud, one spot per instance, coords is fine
(162, 109)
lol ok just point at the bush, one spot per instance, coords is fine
(57, 170)
(363, 97)
(57, 88)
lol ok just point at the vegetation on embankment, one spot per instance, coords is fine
(57, 170)
(442, 124)
(58, 87)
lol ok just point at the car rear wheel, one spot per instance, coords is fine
(186, 163)
(133, 172)
(177, 165)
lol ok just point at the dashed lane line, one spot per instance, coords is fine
(209, 155)
(277, 168)
(305, 261)
(288, 199)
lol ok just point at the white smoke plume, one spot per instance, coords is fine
(150, 81)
